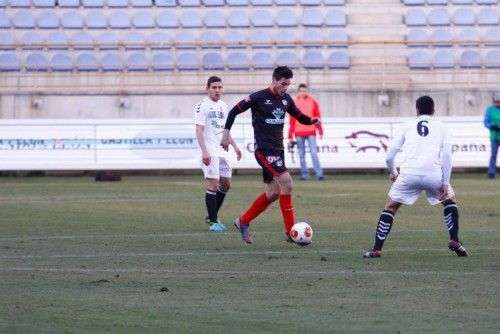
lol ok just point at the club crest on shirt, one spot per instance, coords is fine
(279, 117)
(284, 102)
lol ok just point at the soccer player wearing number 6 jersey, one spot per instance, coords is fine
(427, 166)
(269, 107)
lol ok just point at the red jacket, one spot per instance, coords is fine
(310, 107)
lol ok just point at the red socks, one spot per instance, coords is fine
(286, 207)
(259, 205)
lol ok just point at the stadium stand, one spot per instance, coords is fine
(443, 59)
(215, 19)
(492, 59)
(61, 62)
(470, 59)
(162, 62)
(237, 61)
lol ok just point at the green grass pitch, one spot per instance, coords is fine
(79, 256)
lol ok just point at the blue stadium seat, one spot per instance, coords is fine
(337, 38)
(137, 62)
(134, 40)
(187, 62)
(215, 19)
(443, 59)
(312, 38)
(185, 40)
(469, 37)
(143, 20)
(93, 3)
(285, 2)
(338, 60)
(334, 2)
(417, 37)
(213, 3)
(117, 3)
(61, 62)
(414, 2)
(3, 3)
(235, 39)
(492, 59)
(108, 40)
(437, 2)
(438, 17)
(237, 61)
(210, 39)
(23, 20)
(312, 17)
(9, 62)
(487, 2)
(262, 18)
(310, 2)
(141, 3)
(335, 18)
(189, 3)
(236, 3)
(462, 2)
(82, 40)
(419, 60)
(119, 20)
(112, 62)
(4, 20)
(7, 41)
(313, 60)
(159, 40)
(463, 17)
(212, 61)
(285, 38)
(260, 39)
(31, 40)
(470, 59)
(162, 62)
(286, 18)
(488, 16)
(492, 37)
(47, 20)
(238, 19)
(57, 40)
(72, 20)
(86, 62)
(20, 3)
(96, 20)
(261, 2)
(262, 61)
(191, 19)
(165, 3)
(68, 3)
(167, 19)
(36, 62)
(44, 3)
(442, 37)
(415, 17)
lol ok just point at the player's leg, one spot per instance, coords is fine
(211, 173)
(301, 144)
(492, 167)
(285, 183)
(314, 156)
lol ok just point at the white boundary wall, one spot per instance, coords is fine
(171, 144)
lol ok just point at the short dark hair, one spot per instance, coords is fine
(281, 72)
(302, 86)
(425, 105)
(213, 79)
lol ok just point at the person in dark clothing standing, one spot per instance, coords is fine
(269, 107)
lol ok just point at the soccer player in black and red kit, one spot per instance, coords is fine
(269, 107)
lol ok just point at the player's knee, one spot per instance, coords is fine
(449, 201)
(225, 186)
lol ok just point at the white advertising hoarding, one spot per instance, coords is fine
(171, 144)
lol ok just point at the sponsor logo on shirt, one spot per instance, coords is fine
(279, 117)
(268, 102)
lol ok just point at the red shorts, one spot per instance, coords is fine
(272, 163)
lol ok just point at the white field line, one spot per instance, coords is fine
(236, 272)
(205, 234)
(221, 254)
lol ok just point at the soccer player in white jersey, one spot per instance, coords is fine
(427, 166)
(210, 118)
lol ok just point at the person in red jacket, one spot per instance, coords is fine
(306, 133)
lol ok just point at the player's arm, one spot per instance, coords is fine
(304, 119)
(205, 156)
(446, 163)
(235, 147)
(390, 158)
(237, 109)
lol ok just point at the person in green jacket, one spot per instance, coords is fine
(492, 122)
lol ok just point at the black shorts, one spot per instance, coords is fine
(272, 163)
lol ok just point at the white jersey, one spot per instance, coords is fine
(212, 115)
(422, 140)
